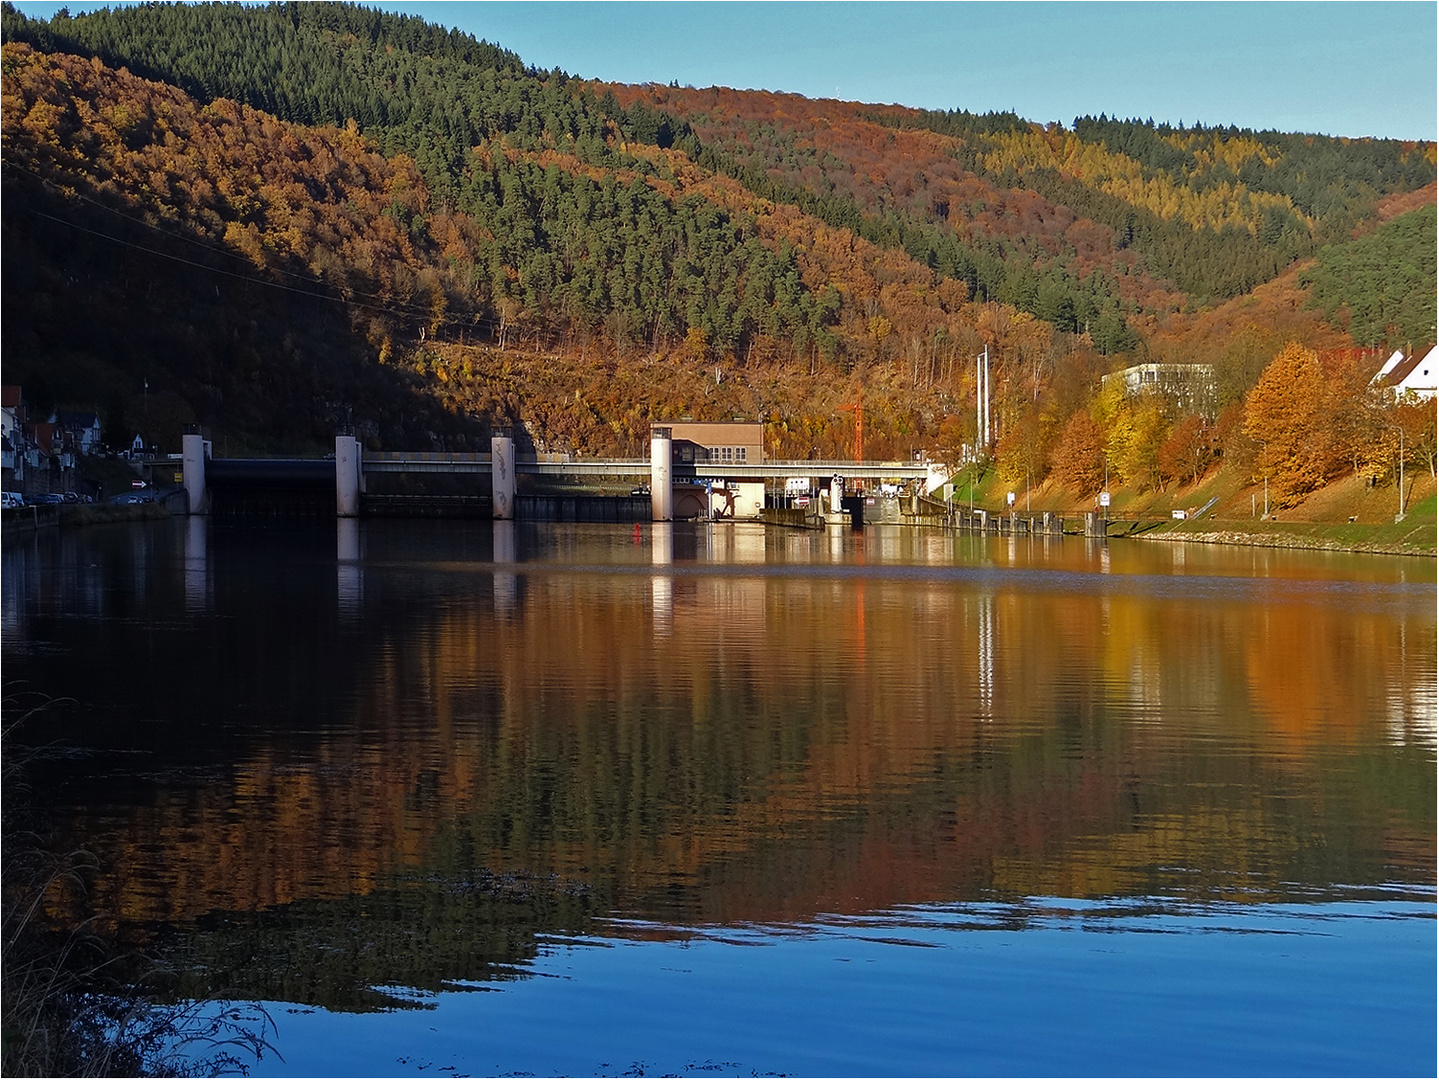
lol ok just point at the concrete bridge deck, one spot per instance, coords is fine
(623, 468)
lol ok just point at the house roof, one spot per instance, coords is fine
(79, 420)
(1422, 374)
(9, 397)
(1419, 370)
(1395, 358)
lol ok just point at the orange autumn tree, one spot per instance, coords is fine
(1188, 451)
(1078, 460)
(1282, 415)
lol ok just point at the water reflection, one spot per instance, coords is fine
(662, 585)
(507, 585)
(986, 657)
(735, 725)
(197, 567)
(349, 571)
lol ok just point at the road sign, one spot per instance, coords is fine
(1104, 499)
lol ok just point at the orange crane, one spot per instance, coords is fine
(857, 407)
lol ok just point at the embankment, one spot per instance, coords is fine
(1415, 535)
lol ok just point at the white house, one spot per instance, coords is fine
(1190, 387)
(1416, 375)
(84, 428)
(12, 437)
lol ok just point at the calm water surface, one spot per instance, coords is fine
(478, 799)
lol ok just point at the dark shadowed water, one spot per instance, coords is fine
(469, 799)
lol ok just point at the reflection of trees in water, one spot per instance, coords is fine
(776, 751)
(371, 952)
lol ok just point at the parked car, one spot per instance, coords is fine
(11, 500)
(47, 498)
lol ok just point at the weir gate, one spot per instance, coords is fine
(664, 487)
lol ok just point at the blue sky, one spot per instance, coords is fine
(1335, 68)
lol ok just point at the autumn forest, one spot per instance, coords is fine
(277, 220)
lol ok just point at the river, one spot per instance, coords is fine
(563, 799)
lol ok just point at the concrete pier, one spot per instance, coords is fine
(192, 447)
(347, 476)
(502, 478)
(835, 514)
(662, 490)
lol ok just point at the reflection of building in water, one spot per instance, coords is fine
(934, 548)
(12, 592)
(197, 566)
(986, 656)
(140, 562)
(888, 542)
(662, 599)
(349, 574)
(742, 543)
(1412, 713)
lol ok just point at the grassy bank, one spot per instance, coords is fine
(1346, 515)
(1415, 535)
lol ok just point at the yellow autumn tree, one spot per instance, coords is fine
(1138, 459)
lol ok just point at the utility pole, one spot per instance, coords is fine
(986, 398)
(979, 400)
(1400, 516)
(858, 409)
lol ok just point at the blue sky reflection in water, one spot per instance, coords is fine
(1048, 988)
(716, 800)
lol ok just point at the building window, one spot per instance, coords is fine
(739, 451)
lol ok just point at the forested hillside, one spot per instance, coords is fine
(275, 219)
(1383, 283)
